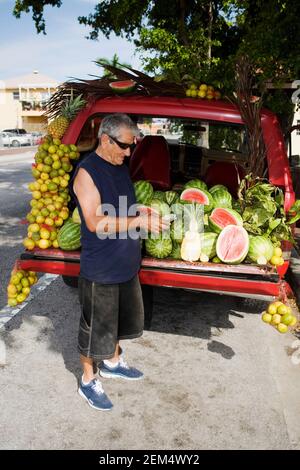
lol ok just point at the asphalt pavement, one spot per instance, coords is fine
(216, 376)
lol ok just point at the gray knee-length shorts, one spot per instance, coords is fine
(110, 312)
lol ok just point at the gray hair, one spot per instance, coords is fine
(112, 123)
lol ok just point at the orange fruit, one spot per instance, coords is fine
(43, 244)
(282, 309)
(29, 244)
(294, 321)
(266, 317)
(282, 328)
(11, 290)
(277, 251)
(272, 309)
(276, 319)
(44, 234)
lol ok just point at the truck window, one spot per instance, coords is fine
(193, 144)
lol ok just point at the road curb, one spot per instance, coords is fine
(15, 150)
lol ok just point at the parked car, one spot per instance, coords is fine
(16, 131)
(36, 137)
(8, 139)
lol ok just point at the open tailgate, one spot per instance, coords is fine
(262, 282)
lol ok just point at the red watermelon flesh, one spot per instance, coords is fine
(221, 217)
(233, 244)
(194, 195)
(123, 86)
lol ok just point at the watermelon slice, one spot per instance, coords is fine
(200, 196)
(123, 86)
(232, 244)
(221, 217)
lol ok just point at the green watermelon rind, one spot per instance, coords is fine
(68, 237)
(215, 227)
(244, 253)
(159, 247)
(222, 198)
(195, 183)
(143, 192)
(176, 251)
(116, 88)
(159, 195)
(160, 206)
(216, 187)
(255, 248)
(171, 197)
(208, 244)
(177, 231)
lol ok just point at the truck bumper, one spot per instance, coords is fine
(259, 282)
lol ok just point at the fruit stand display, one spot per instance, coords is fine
(49, 220)
(210, 228)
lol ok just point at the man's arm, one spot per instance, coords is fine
(90, 203)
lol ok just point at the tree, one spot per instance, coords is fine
(115, 62)
(202, 36)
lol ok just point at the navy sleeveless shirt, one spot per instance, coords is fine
(108, 261)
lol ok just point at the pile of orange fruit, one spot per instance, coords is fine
(280, 316)
(19, 286)
(203, 91)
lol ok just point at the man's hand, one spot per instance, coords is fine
(153, 222)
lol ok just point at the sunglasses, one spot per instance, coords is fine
(122, 145)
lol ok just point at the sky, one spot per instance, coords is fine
(64, 52)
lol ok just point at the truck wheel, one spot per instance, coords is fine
(70, 281)
(15, 143)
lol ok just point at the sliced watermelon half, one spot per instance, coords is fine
(200, 196)
(223, 216)
(123, 86)
(232, 244)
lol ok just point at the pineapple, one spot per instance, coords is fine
(60, 124)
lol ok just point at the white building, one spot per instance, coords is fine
(22, 101)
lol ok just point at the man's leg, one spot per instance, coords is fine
(116, 355)
(91, 389)
(88, 368)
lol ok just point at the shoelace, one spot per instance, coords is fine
(97, 387)
(123, 363)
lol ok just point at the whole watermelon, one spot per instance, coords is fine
(160, 206)
(196, 183)
(216, 187)
(177, 231)
(171, 197)
(176, 251)
(158, 247)
(143, 191)
(69, 236)
(158, 195)
(260, 248)
(222, 198)
(208, 244)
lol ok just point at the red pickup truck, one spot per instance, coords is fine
(181, 139)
